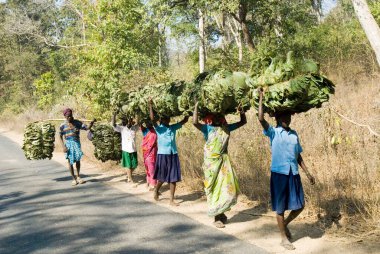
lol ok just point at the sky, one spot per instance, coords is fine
(327, 5)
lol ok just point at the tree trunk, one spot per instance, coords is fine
(83, 28)
(220, 21)
(202, 52)
(241, 17)
(159, 47)
(369, 25)
(247, 36)
(317, 9)
(235, 28)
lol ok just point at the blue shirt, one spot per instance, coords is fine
(166, 138)
(72, 133)
(206, 129)
(285, 148)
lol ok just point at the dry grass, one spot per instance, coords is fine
(347, 193)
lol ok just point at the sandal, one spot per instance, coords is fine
(74, 182)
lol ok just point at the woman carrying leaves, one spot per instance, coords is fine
(285, 182)
(69, 130)
(149, 148)
(167, 165)
(221, 184)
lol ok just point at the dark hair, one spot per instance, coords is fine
(279, 115)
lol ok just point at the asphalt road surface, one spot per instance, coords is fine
(41, 213)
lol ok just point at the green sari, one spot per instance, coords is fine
(221, 185)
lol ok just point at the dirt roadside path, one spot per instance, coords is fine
(246, 220)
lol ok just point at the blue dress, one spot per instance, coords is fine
(72, 140)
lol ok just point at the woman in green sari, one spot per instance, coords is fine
(221, 185)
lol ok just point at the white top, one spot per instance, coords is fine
(128, 137)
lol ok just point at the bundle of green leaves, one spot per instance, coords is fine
(189, 97)
(283, 69)
(297, 95)
(292, 85)
(107, 143)
(223, 92)
(39, 140)
(164, 99)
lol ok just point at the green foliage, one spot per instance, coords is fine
(375, 10)
(23, 55)
(92, 53)
(121, 43)
(45, 90)
(336, 42)
(164, 99)
(223, 92)
(292, 85)
(296, 95)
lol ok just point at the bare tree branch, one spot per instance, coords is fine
(358, 124)
(18, 22)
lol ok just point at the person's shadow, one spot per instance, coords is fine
(249, 214)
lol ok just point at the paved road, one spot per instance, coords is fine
(41, 213)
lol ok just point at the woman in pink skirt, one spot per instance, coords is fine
(149, 148)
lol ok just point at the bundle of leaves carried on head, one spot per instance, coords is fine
(39, 140)
(107, 143)
(220, 92)
(292, 85)
(164, 97)
(217, 92)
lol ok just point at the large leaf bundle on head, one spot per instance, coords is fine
(164, 98)
(107, 143)
(39, 140)
(131, 104)
(165, 101)
(296, 95)
(223, 92)
(118, 98)
(290, 85)
(191, 94)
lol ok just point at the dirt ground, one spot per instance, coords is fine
(247, 220)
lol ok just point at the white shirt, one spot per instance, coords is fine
(128, 137)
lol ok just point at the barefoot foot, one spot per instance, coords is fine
(172, 203)
(287, 245)
(219, 224)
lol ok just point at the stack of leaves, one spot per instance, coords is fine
(107, 143)
(39, 140)
(296, 95)
(292, 86)
(118, 98)
(164, 98)
(190, 95)
(223, 92)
